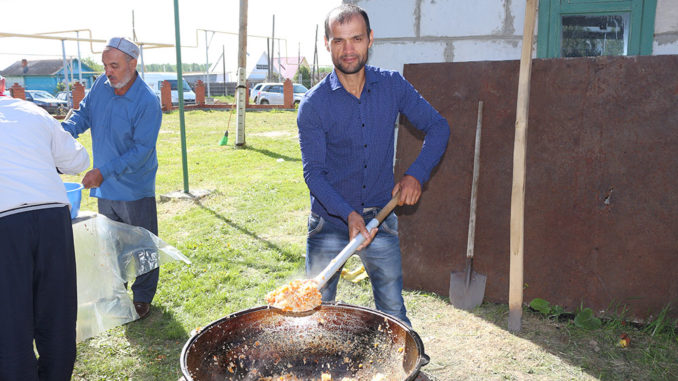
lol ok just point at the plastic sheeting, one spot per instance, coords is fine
(109, 254)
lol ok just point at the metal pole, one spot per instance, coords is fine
(180, 90)
(141, 54)
(63, 52)
(207, 65)
(77, 34)
(268, 60)
(223, 63)
(241, 90)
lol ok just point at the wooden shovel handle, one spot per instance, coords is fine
(386, 210)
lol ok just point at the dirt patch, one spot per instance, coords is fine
(477, 346)
(464, 346)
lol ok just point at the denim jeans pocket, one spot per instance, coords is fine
(390, 224)
(315, 224)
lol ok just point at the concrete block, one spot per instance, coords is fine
(486, 50)
(391, 19)
(456, 18)
(393, 55)
(664, 48)
(666, 20)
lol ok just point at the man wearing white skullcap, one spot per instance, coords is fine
(124, 116)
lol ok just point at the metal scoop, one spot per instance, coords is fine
(341, 258)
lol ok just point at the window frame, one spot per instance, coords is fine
(641, 19)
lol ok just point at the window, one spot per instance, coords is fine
(300, 89)
(580, 28)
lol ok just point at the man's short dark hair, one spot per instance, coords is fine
(344, 13)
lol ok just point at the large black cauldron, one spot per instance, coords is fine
(339, 340)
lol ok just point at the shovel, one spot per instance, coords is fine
(467, 288)
(338, 261)
(300, 296)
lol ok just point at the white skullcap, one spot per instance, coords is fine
(124, 45)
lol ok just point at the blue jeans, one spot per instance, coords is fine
(381, 259)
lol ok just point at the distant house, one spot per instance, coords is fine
(287, 67)
(45, 74)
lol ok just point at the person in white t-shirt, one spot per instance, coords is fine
(38, 294)
(2, 87)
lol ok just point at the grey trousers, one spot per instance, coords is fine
(142, 213)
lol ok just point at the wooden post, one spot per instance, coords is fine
(518, 190)
(241, 89)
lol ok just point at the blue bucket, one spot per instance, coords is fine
(74, 193)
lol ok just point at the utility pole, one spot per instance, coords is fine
(315, 59)
(63, 52)
(141, 55)
(279, 70)
(134, 31)
(300, 77)
(272, 48)
(241, 89)
(77, 35)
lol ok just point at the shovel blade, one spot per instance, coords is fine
(467, 298)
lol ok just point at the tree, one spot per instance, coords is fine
(94, 65)
(305, 76)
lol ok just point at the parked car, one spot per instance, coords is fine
(65, 96)
(272, 93)
(47, 101)
(155, 80)
(254, 92)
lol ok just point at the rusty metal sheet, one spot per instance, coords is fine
(601, 209)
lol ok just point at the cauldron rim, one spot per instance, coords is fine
(422, 358)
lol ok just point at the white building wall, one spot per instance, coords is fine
(418, 31)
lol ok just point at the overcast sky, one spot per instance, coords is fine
(295, 22)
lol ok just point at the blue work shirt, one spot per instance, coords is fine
(347, 144)
(124, 132)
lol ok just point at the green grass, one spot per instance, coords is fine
(230, 99)
(248, 236)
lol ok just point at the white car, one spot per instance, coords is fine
(272, 93)
(254, 92)
(155, 80)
